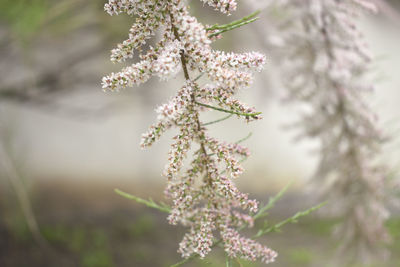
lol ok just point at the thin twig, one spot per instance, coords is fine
(271, 202)
(244, 139)
(198, 77)
(219, 120)
(293, 219)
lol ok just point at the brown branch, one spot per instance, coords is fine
(201, 134)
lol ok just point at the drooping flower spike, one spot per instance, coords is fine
(204, 195)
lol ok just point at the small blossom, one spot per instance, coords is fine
(237, 246)
(225, 6)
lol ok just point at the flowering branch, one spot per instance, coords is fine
(204, 197)
(262, 212)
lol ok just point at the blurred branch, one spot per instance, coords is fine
(388, 10)
(11, 172)
(48, 82)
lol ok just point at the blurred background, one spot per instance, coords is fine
(65, 145)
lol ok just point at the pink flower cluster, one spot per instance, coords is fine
(204, 196)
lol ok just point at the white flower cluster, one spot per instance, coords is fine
(225, 6)
(204, 198)
(325, 67)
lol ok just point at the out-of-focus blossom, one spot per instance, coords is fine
(325, 66)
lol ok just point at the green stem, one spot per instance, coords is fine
(233, 23)
(293, 219)
(198, 77)
(244, 139)
(229, 111)
(232, 27)
(271, 202)
(219, 120)
(149, 203)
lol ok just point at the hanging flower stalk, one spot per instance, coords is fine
(325, 67)
(204, 196)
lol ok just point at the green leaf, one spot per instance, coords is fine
(294, 219)
(149, 203)
(229, 111)
(271, 202)
(233, 23)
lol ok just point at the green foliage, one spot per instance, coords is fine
(73, 238)
(90, 244)
(321, 226)
(96, 258)
(142, 226)
(24, 16)
(228, 261)
(301, 256)
(18, 227)
(393, 226)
